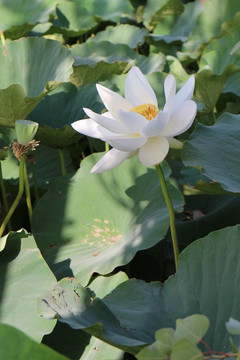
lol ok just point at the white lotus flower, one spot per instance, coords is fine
(135, 125)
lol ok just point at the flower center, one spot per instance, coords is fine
(149, 111)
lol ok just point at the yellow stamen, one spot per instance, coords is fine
(149, 111)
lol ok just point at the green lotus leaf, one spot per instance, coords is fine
(81, 16)
(23, 82)
(59, 109)
(154, 12)
(126, 34)
(104, 219)
(219, 53)
(180, 342)
(21, 285)
(16, 345)
(97, 61)
(209, 86)
(223, 165)
(184, 349)
(18, 17)
(181, 28)
(77, 344)
(202, 285)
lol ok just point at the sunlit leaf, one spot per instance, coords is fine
(102, 218)
(14, 344)
(24, 276)
(25, 71)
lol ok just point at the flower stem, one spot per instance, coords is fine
(106, 146)
(63, 167)
(18, 197)
(171, 213)
(27, 190)
(4, 197)
(35, 186)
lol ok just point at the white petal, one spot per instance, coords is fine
(170, 91)
(133, 121)
(108, 123)
(156, 125)
(181, 120)
(185, 93)
(154, 151)
(127, 144)
(113, 101)
(110, 160)
(138, 91)
(90, 128)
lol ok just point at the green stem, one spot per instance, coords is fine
(27, 191)
(4, 197)
(35, 186)
(18, 197)
(106, 146)
(214, 117)
(61, 155)
(171, 213)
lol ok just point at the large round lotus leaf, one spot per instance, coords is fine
(59, 109)
(77, 344)
(209, 25)
(122, 34)
(80, 16)
(102, 219)
(19, 16)
(14, 344)
(209, 86)
(108, 10)
(24, 276)
(219, 53)
(156, 11)
(204, 284)
(29, 65)
(216, 149)
(96, 61)
(182, 27)
(32, 62)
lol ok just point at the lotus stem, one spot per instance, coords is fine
(106, 146)
(18, 197)
(61, 156)
(4, 197)
(27, 191)
(35, 186)
(171, 213)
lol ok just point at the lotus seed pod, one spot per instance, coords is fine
(25, 131)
